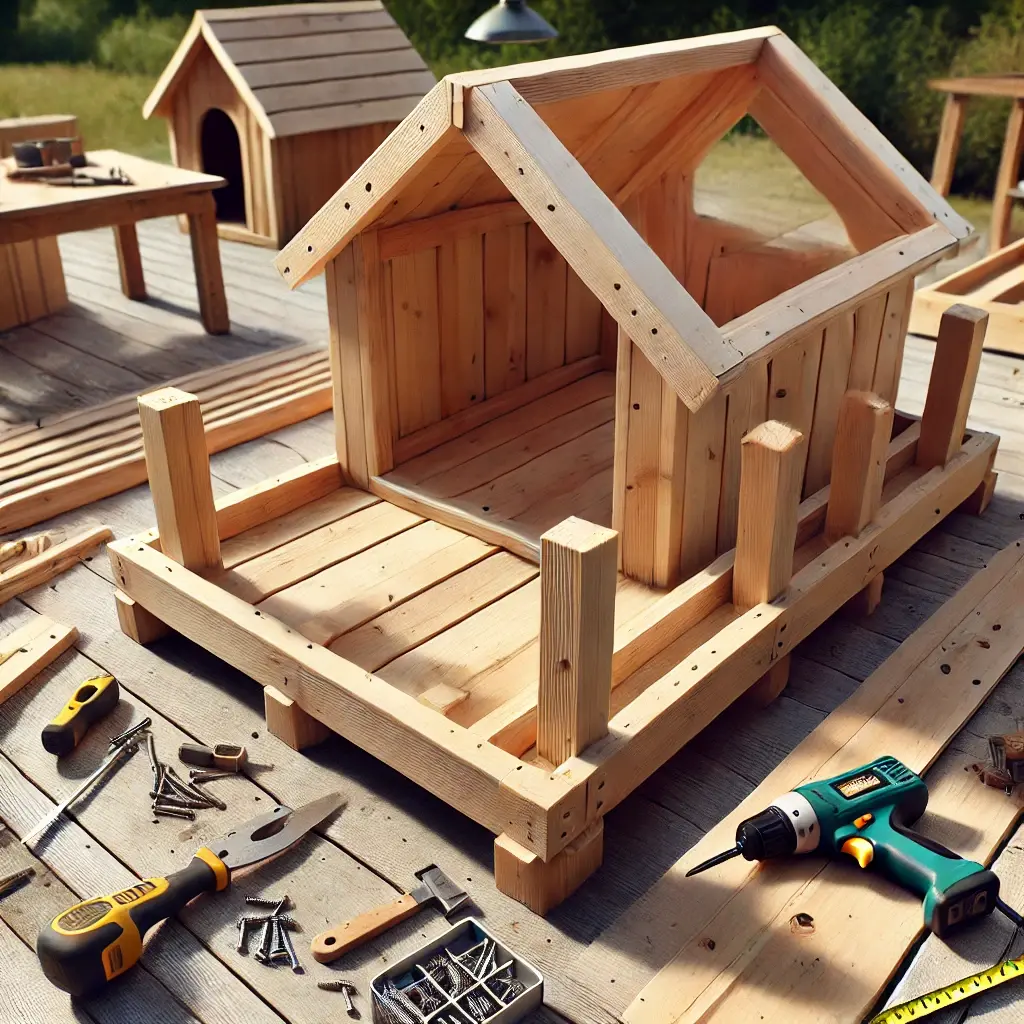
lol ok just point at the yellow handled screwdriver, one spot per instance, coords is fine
(95, 941)
(92, 700)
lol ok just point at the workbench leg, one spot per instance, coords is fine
(948, 146)
(143, 627)
(541, 885)
(129, 261)
(289, 723)
(213, 303)
(867, 601)
(1009, 175)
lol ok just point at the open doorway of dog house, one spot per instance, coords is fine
(222, 155)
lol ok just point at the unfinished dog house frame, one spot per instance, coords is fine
(571, 518)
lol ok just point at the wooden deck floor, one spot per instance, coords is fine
(390, 827)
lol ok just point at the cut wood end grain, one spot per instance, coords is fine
(775, 436)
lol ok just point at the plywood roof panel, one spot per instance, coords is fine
(309, 67)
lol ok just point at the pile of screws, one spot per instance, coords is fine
(172, 796)
(346, 988)
(275, 943)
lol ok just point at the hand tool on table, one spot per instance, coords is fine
(867, 813)
(118, 757)
(224, 757)
(95, 941)
(94, 699)
(437, 888)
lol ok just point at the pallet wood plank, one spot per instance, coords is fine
(505, 285)
(833, 376)
(460, 273)
(546, 274)
(47, 564)
(417, 340)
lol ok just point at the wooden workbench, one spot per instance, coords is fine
(958, 91)
(32, 209)
(391, 827)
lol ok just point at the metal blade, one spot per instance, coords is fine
(271, 833)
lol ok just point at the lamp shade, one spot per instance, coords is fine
(510, 22)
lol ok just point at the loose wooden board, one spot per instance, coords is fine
(732, 957)
(29, 650)
(68, 461)
(51, 562)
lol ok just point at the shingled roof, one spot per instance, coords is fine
(306, 67)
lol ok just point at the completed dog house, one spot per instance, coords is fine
(573, 514)
(285, 103)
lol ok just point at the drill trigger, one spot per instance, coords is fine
(860, 849)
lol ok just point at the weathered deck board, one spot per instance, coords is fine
(390, 827)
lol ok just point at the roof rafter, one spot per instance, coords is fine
(651, 306)
(366, 194)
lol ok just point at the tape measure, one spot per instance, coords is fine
(958, 992)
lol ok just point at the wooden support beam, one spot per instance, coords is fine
(770, 481)
(578, 573)
(867, 601)
(213, 303)
(976, 504)
(541, 885)
(179, 478)
(951, 384)
(770, 685)
(289, 723)
(141, 626)
(1007, 178)
(948, 145)
(858, 464)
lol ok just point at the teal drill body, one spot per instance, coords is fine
(892, 798)
(867, 813)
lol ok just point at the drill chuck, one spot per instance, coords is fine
(765, 835)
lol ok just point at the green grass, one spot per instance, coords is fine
(108, 105)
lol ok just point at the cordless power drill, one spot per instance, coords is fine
(867, 813)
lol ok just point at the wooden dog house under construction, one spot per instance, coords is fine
(571, 518)
(285, 103)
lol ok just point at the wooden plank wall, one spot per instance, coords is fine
(481, 314)
(309, 169)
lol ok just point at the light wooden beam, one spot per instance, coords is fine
(770, 480)
(549, 81)
(289, 723)
(179, 478)
(633, 284)
(948, 146)
(858, 464)
(578, 573)
(951, 384)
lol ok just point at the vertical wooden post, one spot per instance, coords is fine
(1009, 171)
(951, 384)
(213, 303)
(129, 261)
(771, 463)
(858, 464)
(179, 478)
(948, 146)
(289, 723)
(141, 626)
(577, 621)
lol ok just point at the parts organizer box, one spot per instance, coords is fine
(411, 976)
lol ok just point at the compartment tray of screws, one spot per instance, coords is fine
(466, 976)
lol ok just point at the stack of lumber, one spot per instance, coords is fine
(70, 460)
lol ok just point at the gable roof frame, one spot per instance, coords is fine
(185, 54)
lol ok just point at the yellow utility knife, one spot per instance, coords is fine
(95, 941)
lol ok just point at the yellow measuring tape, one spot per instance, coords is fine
(958, 992)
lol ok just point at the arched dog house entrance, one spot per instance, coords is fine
(222, 154)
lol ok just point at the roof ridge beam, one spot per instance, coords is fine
(602, 247)
(562, 78)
